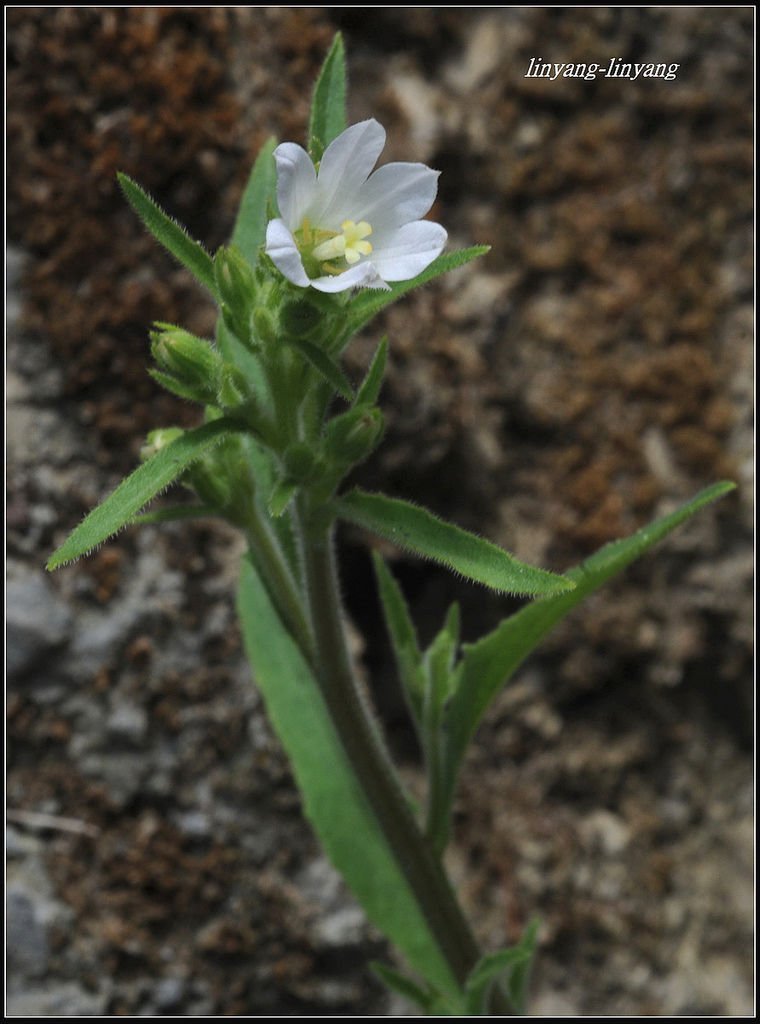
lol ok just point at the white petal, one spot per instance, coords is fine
(296, 183)
(362, 275)
(396, 194)
(281, 246)
(345, 166)
(405, 252)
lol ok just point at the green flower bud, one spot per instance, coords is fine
(237, 289)
(189, 361)
(351, 437)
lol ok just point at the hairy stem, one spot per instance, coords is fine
(372, 767)
(282, 586)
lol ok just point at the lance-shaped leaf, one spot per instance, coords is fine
(369, 303)
(438, 665)
(138, 489)
(324, 365)
(511, 964)
(429, 1000)
(259, 196)
(170, 234)
(333, 800)
(173, 514)
(415, 529)
(488, 664)
(403, 639)
(328, 106)
(370, 386)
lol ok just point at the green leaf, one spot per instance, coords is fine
(437, 664)
(324, 365)
(418, 530)
(235, 352)
(328, 105)
(282, 494)
(403, 984)
(173, 514)
(175, 387)
(519, 975)
(515, 962)
(138, 489)
(250, 229)
(370, 387)
(170, 234)
(369, 302)
(403, 638)
(488, 664)
(333, 801)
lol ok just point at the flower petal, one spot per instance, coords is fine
(396, 194)
(361, 275)
(282, 248)
(296, 183)
(345, 166)
(405, 252)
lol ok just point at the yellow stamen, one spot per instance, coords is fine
(350, 244)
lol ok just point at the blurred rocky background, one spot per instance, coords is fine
(591, 372)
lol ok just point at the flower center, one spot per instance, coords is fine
(349, 244)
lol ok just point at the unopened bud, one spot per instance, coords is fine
(236, 284)
(353, 435)
(191, 361)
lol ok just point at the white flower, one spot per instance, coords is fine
(346, 228)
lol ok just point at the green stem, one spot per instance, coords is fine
(279, 580)
(372, 766)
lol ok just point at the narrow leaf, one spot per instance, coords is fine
(235, 352)
(251, 224)
(138, 489)
(325, 366)
(370, 387)
(403, 984)
(174, 514)
(174, 386)
(397, 617)
(403, 637)
(369, 302)
(519, 975)
(333, 801)
(515, 962)
(418, 530)
(453, 624)
(170, 234)
(282, 494)
(488, 664)
(328, 106)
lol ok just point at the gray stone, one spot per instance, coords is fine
(128, 722)
(169, 993)
(66, 999)
(37, 622)
(28, 948)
